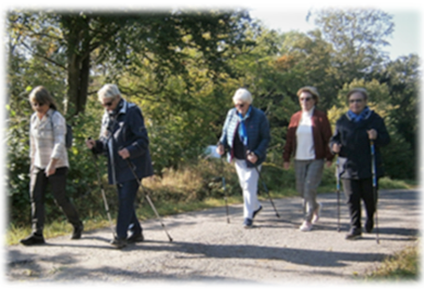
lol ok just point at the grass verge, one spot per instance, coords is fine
(402, 266)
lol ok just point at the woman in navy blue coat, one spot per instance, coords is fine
(351, 140)
(124, 140)
(245, 136)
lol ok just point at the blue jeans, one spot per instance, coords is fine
(127, 219)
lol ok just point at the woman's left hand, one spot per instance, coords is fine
(328, 163)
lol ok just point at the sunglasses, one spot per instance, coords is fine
(305, 98)
(109, 103)
(241, 105)
(37, 103)
(358, 100)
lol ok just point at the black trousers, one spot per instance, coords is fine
(355, 191)
(38, 187)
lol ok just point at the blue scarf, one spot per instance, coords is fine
(359, 117)
(242, 127)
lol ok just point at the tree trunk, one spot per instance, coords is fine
(78, 63)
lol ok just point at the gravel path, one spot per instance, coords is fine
(207, 249)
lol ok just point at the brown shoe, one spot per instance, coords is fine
(118, 243)
(135, 237)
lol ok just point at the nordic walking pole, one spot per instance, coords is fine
(225, 191)
(338, 194)
(131, 166)
(374, 185)
(103, 193)
(265, 188)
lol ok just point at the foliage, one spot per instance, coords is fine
(126, 42)
(356, 36)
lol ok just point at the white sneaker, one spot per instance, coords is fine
(317, 213)
(306, 226)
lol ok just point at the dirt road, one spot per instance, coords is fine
(206, 249)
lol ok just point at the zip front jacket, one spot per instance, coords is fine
(355, 153)
(258, 134)
(125, 129)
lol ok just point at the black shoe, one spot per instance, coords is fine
(33, 239)
(257, 211)
(77, 232)
(135, 237)
(369, 225)
(354, 234)
(248, 223)
(118, 243)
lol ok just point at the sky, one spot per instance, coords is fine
(404, 40)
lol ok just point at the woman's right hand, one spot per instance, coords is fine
(220, 149)
(90, 143)
(336, 148)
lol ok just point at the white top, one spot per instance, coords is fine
(47, 141)
(304, 137)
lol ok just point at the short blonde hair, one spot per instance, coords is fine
(243, 94)
(310, 89)
(108, 91)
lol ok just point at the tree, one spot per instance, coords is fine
(305, 61)
(78, 42)
(356, 36)
(402, 76)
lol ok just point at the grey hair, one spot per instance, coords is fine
(108, 91)
(360, 90)
(243, 94)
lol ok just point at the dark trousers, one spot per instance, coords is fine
(127, 219)
(38, 188)
(355, 191)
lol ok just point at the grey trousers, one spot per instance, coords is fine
(38, 187)
(308, 178)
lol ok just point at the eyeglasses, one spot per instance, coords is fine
(305, 98)
(109, 103)
(358, 100)
(241, 105)
(37, 103)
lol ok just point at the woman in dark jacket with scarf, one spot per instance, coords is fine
(246, 136)
(351, 141)
(124, 140)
